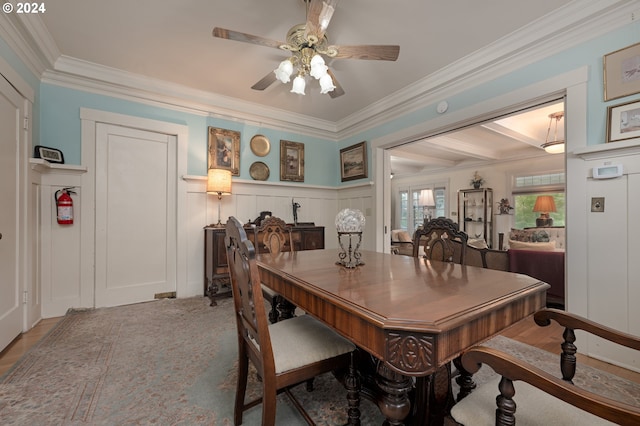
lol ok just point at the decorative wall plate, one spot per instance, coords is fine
(260, 145)
(259, 171)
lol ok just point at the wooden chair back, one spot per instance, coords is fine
(436, 236)
(251, 317)
(275, 235)
(487, 258)
(269, 349)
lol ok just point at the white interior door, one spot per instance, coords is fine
(135, 214)
(11, 118)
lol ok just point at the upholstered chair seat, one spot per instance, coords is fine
(304, 340)
(534, 408)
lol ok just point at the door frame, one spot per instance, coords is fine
(89, 118)
(27, 265)
(573, 84)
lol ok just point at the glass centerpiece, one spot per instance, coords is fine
(350, 224)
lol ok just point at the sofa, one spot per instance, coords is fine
(539, 253)
(401, 242)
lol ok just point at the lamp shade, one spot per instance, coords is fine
(554, 147)
(426, 198)
(284, 71)
(298, 85)
(219, 181)
(544, 204)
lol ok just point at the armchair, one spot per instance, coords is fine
(542, 398)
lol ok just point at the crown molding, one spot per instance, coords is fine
(569, 26)
(87, 76)
(21, 41)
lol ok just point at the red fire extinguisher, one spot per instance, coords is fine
(64, 206)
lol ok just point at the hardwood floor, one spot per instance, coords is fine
(24, 342)
(549, 339)
(546, 338)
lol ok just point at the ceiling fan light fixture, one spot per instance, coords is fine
(326, 84)
(298, 85)
(284, 71)
(318, 67)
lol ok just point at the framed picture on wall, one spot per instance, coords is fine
(291, 161)
(224, 150)
(623, 121)
(353, 162)
(622, 72)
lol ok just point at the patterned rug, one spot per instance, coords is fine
(173, 362)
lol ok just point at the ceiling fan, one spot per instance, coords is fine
(308, 44)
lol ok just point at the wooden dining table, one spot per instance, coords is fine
(410, 315)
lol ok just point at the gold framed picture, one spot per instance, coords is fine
(623, 121)
(353, 162)
(224, 150)
(622, 72)
(291, 161)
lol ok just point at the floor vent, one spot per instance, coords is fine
(166, 295)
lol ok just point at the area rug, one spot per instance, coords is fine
(173, 362)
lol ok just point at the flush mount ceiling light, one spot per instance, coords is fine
(554, 146)
(309, 47)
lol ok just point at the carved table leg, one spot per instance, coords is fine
(394, 402)
(286, 309)
(353, 385)
(433, 398)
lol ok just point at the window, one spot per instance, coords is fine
(412, 214)
(528, 188)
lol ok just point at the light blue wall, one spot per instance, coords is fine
(589, 53)
(58, 110)
(60, 116)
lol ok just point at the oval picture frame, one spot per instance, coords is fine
(260, 145)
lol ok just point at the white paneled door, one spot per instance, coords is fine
(11, 118)
(135, 215)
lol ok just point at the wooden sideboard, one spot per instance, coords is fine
(216, 271)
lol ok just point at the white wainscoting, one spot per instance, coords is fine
(57, 268)
(61, 252)
(612, 291)
(317, 204)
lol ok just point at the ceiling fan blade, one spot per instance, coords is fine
(338, 91)
(265, 82)
(318, 18)
(375, 52)
(247, 38)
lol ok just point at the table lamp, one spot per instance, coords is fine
(544, 204)
(427, 202)
(219, 182)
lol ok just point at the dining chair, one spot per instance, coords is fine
(442, 240)
(542, 398)
(285, 353)
(275, 237)
(435, 236)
